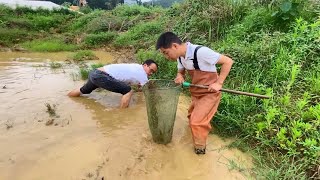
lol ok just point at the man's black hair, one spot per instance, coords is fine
(149, 62)
(167, 39)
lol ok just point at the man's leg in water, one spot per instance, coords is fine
(86, 88)
(74, 93)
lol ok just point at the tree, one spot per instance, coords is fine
(139, 2)
(94, 4)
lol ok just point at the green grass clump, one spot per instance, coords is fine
(50, 45)
(84, 71)
(84, 55)
(99, 39)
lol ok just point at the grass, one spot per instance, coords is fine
(84, 55)
(54, 45)
(84, 71)
(99, 39)
(55, 65)
(142, 35)
(9, 37)
(51, 109)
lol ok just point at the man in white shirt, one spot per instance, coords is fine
(200, 62)
(118, 78)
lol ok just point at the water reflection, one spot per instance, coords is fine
(103, 106)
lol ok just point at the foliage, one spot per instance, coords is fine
(85, 70)
(9, 37)
(285, 12)
(203, 21)
(284, 65)
(133, 10)
(48, 45)
(84, 55)
(141, 35)
(107, 22)
(83, 21)
(99, 39)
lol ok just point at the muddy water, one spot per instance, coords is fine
(89, 137)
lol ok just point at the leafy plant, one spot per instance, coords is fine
(84, 55)
(99, 39)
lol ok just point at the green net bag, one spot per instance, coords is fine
(161, 100)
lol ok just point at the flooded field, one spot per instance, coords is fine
(44, 134)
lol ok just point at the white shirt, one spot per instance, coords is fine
(132, 74)
(207, 58)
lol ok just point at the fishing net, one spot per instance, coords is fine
(161, 99)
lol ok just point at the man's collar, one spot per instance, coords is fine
(189, 53)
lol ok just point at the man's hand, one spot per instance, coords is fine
(138, 88)
(215, 87)
(179, 79)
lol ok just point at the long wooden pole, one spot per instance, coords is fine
(234, 91)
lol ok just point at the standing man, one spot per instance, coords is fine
(200, 62)
(118, 78)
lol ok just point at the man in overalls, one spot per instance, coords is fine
(200, 62)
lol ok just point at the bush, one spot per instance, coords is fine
(81, 22)
(84, 55)
(142, 35)
(20, 23)
(285, 66)
(99, 39)
(206, 21)
(45, 22)
(106, 22)
(9, 37)
(128, 11)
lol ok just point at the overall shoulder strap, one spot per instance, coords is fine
(195, 59)
(180, 61)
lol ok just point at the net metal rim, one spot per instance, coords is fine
(162, 88)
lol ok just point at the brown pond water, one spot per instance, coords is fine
(89, 137)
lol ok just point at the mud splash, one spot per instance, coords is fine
(90, 138)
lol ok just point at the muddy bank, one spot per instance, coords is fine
(90, 138)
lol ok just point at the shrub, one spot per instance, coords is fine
(9, 37)
(142, 35)
(84, 55)
(128, 11)
(99, 39)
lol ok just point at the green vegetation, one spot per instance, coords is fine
(84, 55)
(275, 46)
(50, 45)
(85, 70)
(55, 65)
(99, 39)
